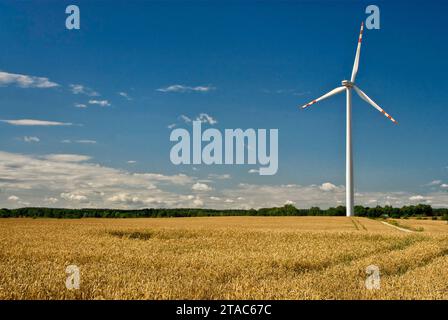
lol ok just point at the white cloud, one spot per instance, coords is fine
(80, 105)
(327, 186)
(17, 201)
(125, 198)
(259, 196)
(131, 161)
(30, 139)
(73, 196)
(434, 183)
(67, 157)
(253, 171)
(25, 81)
(82, 141)
(205, 118)
(201, 187)
(198, 202)
(444, 185)
(171, 126)
(124, 95)
(181, 88)
(419, 198)
(178, 179)
(85, 141)
(32, 122)
(202, 117)
(76, 182)
(101, 103)
(51, 200)
(37, 178)
(13, 198)
(80, 89)
(219, 176)
(185, 118)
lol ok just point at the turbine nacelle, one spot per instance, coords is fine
(348, 84)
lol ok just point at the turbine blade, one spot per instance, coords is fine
(358, 52)
(325, 96)
(372, 103)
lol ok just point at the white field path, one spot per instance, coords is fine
(398, 228)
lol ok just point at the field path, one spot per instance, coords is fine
(398, 228)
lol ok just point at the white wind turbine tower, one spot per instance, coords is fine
(347, 86)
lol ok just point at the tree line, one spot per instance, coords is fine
(421, 210)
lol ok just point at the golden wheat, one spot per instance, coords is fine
(222, 258)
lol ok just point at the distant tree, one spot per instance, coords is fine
(315, 211)
(360, 211)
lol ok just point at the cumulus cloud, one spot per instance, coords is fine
(73, 196)
(80, 105)
(205, 118)
(327, 186)
(444, 185)
(51, 200)
(25, 81)
(67, 157)
(17, 201)
(81, 89)
(33, 122)
(125, 198)
(198, 202)
(198, 186)
(13, 198)
(182, 88)
(101, 103)
(75, 182)
(30, 139)
(419, 198)
(219, 176)
(202, 117)
(434, 183)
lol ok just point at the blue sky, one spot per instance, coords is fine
(258, 61)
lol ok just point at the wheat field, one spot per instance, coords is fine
(222, 258)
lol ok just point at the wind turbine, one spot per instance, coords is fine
(347, 86)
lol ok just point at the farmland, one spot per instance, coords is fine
(223, 258)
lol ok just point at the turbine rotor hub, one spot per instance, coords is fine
(347, 84)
